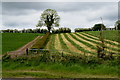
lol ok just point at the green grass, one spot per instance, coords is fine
(65, 47)
(111, 48)
(58, 70)
(81, 41)
(38, 66)
(13, 41)
(52, 46)
(77, 46)
(111, 35)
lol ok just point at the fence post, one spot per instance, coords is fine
(27, 51)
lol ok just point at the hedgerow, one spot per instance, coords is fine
(41, 42)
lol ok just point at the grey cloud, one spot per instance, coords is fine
(119, 10)
(74, 14)
(15, 7)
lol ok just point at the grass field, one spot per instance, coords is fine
(80, 44)
(84, 42)
(111, 35)
(13, 41)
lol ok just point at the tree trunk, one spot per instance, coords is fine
(49, 28)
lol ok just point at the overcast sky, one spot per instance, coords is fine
(20, 15)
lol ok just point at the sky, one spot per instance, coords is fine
(24, 15)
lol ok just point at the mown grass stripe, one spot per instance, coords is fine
(81, 41)
(95, 41)
(96, 38)
(64, 45)
(57, 43)
(77, 46)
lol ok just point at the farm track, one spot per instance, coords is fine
(97, 41)
(22, 50)
(81, 44)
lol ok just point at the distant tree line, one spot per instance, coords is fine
(62, 30)
(25, 31)
(96, 27)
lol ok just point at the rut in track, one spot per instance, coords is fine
(81, 44)
(22, 50)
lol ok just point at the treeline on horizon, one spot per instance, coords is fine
(97, 27)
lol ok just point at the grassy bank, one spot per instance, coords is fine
(59, 67)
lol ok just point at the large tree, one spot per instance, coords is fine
(49, 18)
(117, 25)
(99, 27)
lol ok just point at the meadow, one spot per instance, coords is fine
(111, 35)
(71, 55)
(13, 41)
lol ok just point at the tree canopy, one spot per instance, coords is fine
(117, 24)
(99, 27)
(49, 18)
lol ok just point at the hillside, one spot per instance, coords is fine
(78, 59)
(82, 42)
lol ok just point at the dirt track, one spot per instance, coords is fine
(22, 50)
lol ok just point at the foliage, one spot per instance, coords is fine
(40, 44)
(62, 30)
(25, 31)
(98, 27)
(82, 29)
(61, 63)
(49, 18)
(117, 25)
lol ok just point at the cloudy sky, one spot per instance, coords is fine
(20, 15)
